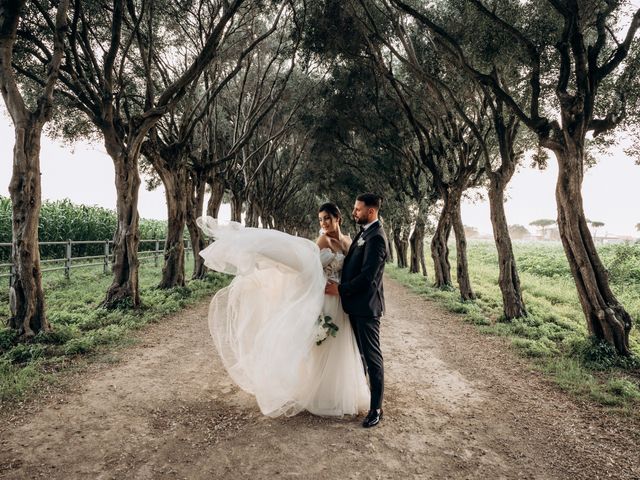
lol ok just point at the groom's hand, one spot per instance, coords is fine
(331, 289)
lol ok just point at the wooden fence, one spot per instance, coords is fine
(68, 260)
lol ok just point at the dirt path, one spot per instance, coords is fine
(458, 405)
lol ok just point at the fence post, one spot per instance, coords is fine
(155, 253)
(105, 267)
(67, 261)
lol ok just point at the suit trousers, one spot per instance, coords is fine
(367, 332)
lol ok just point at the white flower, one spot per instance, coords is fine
(320, 333)
(324, 328)
(360, 242)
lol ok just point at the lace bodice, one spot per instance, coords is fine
(331, 264)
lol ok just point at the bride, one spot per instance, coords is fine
(265, 323)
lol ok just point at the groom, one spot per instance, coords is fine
(362, 294)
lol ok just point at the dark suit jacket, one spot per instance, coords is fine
(360, 287)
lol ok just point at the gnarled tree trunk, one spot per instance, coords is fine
(391, 256)
(172, 171)
(173, 274)
(439, 246)
(124, 289)
(175, 185)
(417, 247)
(236, 206)
(195, 204)
(268, 221)
(215, 200)
(27, 297)
(462, 265)
(251, 219)
(508, 279)
(402, 245)
(279, 224)
(26, 294)
(606, 317)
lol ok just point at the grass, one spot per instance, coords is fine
(81, 328)
(553, 335)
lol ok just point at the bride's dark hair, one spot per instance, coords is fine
(332, 209)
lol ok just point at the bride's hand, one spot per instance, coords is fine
(331, 289)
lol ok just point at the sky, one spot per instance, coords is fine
(84, 173)
(611, 194)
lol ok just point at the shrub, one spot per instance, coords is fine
(59, 335)
(622, 387)
(79, 345)
(542, 260)
(599, 355)
(534, 348)
(8, 338)
(25, 353)
(15, 380)
(109, 334)
(65, 317)
(623, 263)
(477, 318)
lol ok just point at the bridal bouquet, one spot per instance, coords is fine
(324, 328)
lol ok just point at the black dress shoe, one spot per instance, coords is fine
(372, 418)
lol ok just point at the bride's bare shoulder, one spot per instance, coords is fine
(323, 242)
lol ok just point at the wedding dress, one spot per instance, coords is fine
(264, 323)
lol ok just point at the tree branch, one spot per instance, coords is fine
(10, 91)
(622, 51)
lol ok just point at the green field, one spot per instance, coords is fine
(80, 327)
(554, 334)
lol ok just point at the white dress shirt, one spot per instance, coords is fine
(369, 224)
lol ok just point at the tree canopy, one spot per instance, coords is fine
(277, 106)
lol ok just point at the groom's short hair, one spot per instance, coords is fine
(371, 200)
